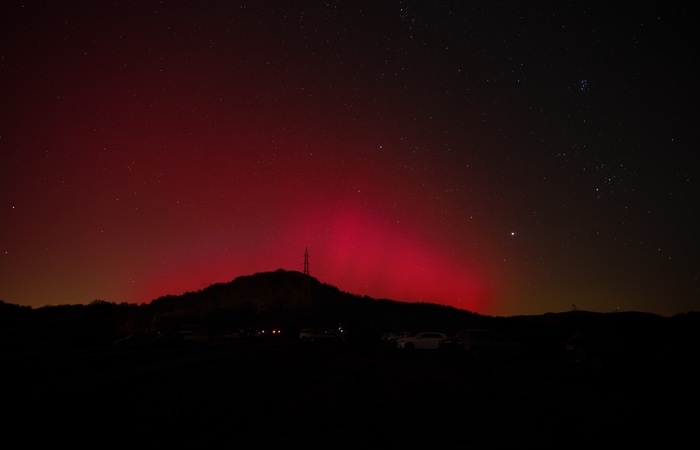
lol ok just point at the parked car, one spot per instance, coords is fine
(268, 333)
(424, 340)
(389, 337)
(481, 342)
(140, 339)
(597, 349)
(175, 338)
(319, 335)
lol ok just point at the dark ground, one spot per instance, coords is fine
(283, 394)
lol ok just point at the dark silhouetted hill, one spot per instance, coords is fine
(279, 299)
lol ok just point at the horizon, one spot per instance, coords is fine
(573, 308)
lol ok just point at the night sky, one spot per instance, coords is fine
(505, 158)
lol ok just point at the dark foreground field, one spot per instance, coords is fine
(285, 394)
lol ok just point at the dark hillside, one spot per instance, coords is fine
(278, 300)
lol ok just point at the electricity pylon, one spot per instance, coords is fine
(306, 291)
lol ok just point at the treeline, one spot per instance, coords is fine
(280, 300)
(263, 300)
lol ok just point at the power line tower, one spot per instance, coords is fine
(306, 291)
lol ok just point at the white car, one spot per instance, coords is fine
(318, 335)
(424, 340)
(481, 342)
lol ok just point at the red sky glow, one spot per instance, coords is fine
(502, 161)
